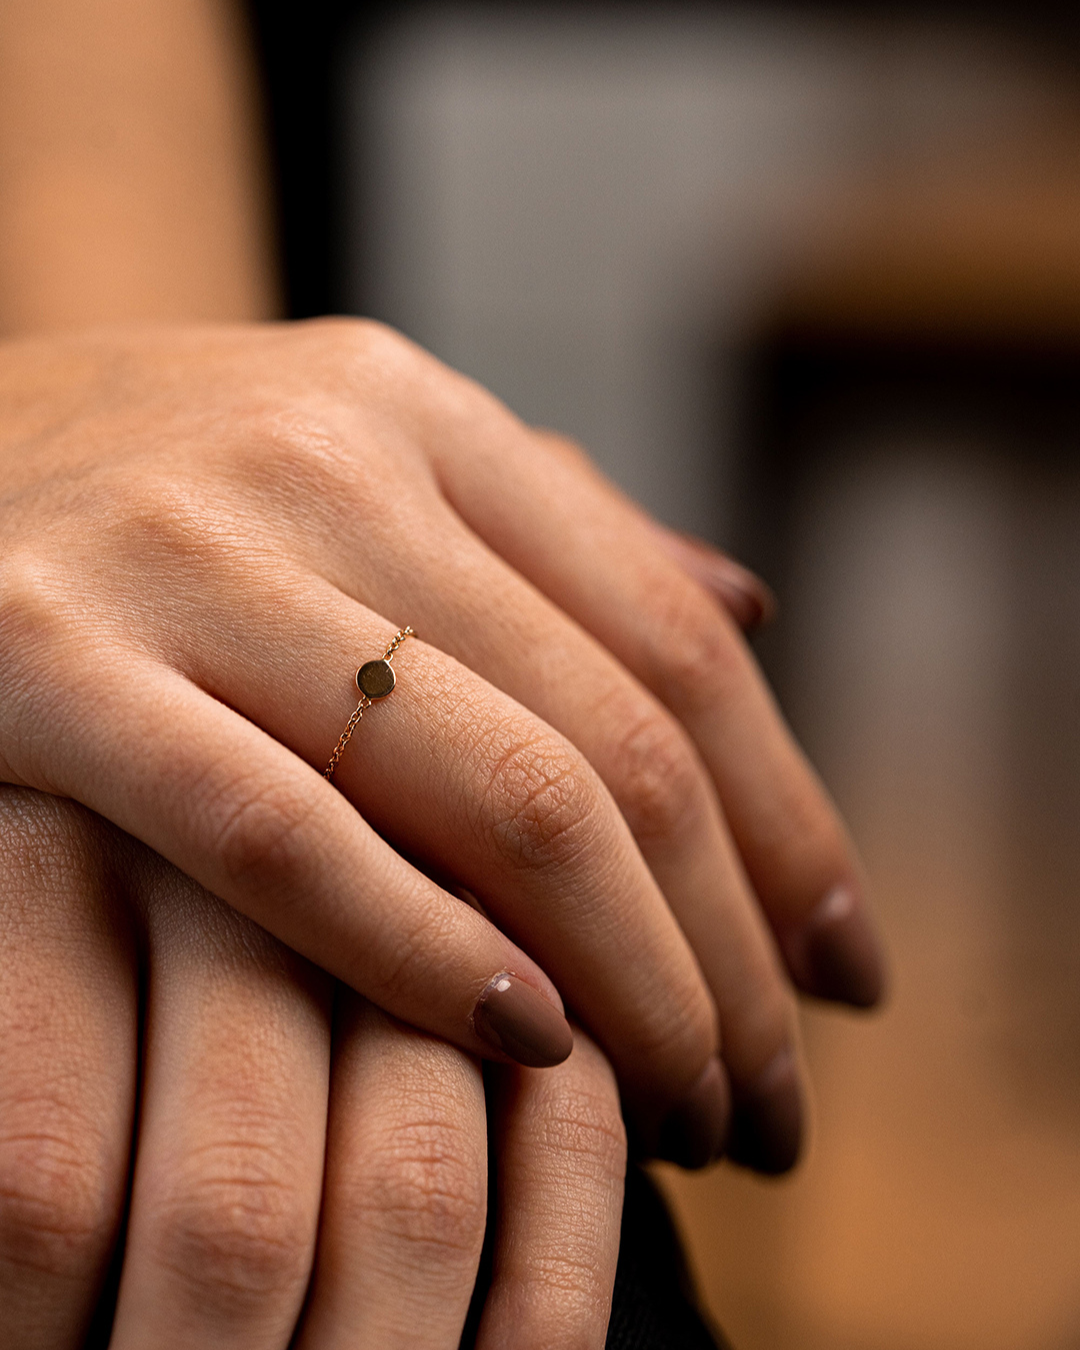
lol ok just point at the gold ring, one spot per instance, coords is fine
(374, 679)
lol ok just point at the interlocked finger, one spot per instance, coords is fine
(68, 1051)
(405, 1195)
(226, 1190)
(561, 1160)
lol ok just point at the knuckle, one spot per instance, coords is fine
(658, 780)
(563, 446)
(235, 1232)
(376, 345)
(677, 1038)
(540, 805)
(424, 1189)
(294, 452)
(583, 1129)
(699, 656)
(30, 595)
(155, 519)
(57, 1210)
(260, 835)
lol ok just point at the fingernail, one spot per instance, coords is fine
(747, 598)
(767, 1125)
(836, 953)
(693, 1135)
(749, 601)
(517, 1019)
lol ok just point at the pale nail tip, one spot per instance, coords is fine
(838, 904)
(837, 956)
(516, 1019)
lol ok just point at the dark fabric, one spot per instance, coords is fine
(654, 1307)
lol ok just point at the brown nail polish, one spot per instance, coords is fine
(767, 1124)
(746, 597)
(517, 1019)
(836, 954)
(694, 1134)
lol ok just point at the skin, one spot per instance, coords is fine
(201, 529)
(277, 1119)
(132, 169)
(131, 188)
(201, 526)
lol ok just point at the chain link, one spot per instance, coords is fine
(362, 707)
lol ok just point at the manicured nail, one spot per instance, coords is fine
(694, 1134)
(746, 597)
(836, 954)
(767, 1125)
(517, 1019)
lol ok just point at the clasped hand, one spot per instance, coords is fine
(581, 780)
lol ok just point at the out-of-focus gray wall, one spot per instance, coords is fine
(589, 210)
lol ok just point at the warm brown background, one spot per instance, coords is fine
(935, 648)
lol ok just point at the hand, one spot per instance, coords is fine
(206, 531)
(283, 1186)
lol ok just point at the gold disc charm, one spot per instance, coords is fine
(376, 679)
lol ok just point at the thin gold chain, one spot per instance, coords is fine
(396, 641)
(365, 703)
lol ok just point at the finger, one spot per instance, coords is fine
(404, 1203)
(458, 774)
(594, 554)
(225, 1196)
(234, 809)
(68, 1055)
(657, 778)
(561, 1151)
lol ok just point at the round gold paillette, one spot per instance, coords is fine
(374, 679)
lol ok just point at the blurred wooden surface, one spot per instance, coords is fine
(934, 622)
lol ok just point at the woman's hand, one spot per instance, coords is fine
(286, 1181)
(206, 531)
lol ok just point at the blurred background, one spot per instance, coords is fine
(806, 281)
